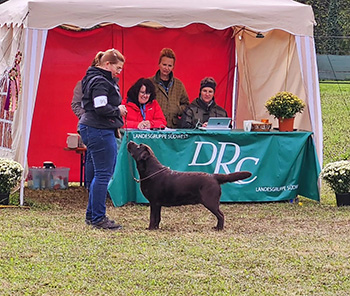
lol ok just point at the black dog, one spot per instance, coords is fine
(165, 187)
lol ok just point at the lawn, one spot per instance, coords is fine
(265, 249)
(335, 99)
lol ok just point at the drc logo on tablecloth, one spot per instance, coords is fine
(217, 156)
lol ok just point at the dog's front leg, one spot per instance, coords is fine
(154, 217)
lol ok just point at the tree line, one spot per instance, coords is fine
(332, 32)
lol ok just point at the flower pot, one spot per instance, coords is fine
(343, 199)
(4, 198)
(286, 124)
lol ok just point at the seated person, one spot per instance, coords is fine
(144, 111)
(198, 112)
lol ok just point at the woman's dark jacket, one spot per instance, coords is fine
(100, 83)
(199, 112)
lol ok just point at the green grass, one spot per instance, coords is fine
(335, 100)
(265, 248)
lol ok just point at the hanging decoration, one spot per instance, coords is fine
(15, 85)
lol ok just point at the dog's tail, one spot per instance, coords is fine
(223, 178)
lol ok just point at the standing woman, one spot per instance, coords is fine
(144, 111)
(170, 92)
(98, 127)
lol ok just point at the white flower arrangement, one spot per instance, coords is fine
(10, 174)
(337, 176)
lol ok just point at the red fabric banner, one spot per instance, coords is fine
(200, 52)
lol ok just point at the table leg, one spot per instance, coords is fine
(81, 168)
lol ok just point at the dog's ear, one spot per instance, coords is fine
(144, 155)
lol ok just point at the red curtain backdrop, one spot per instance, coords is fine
(200, 52)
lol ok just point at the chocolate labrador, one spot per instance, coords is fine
(165, 187)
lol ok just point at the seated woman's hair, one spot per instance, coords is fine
(133, 92)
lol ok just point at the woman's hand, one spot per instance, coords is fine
(122, 110)
(145, 124)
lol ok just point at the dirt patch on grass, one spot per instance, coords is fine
(73, 197)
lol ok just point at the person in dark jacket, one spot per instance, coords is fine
(198, 112)
(76, 100)
(98, 127)
(76, 105)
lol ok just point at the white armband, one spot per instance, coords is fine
(100, 101)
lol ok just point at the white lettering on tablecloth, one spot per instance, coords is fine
(219, 158)
(150, 136)
(164, 136)
(290, 187)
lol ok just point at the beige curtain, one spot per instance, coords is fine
(266, 66)
(278, 62)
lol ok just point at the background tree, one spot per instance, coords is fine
(332, 32)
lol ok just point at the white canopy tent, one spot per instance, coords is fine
(285, 60)
(285, 15)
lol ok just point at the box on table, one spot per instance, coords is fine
(53, 178)
(74, 141)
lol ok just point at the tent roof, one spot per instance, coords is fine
(258, 15)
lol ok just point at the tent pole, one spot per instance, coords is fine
(21, 193)
(234, 91)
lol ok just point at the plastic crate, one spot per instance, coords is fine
(42, 178)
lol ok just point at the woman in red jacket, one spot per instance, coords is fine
(144, 111)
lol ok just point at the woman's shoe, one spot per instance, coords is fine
(105, 223)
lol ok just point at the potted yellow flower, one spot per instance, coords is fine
(10, 175)
(337, 176)
(284, 106)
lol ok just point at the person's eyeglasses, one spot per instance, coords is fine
(118, 68)
(143, 93)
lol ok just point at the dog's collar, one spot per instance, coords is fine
(151, 175)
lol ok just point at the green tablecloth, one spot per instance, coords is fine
(283, 164)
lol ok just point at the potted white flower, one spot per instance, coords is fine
(337, 176)
(10, 175)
